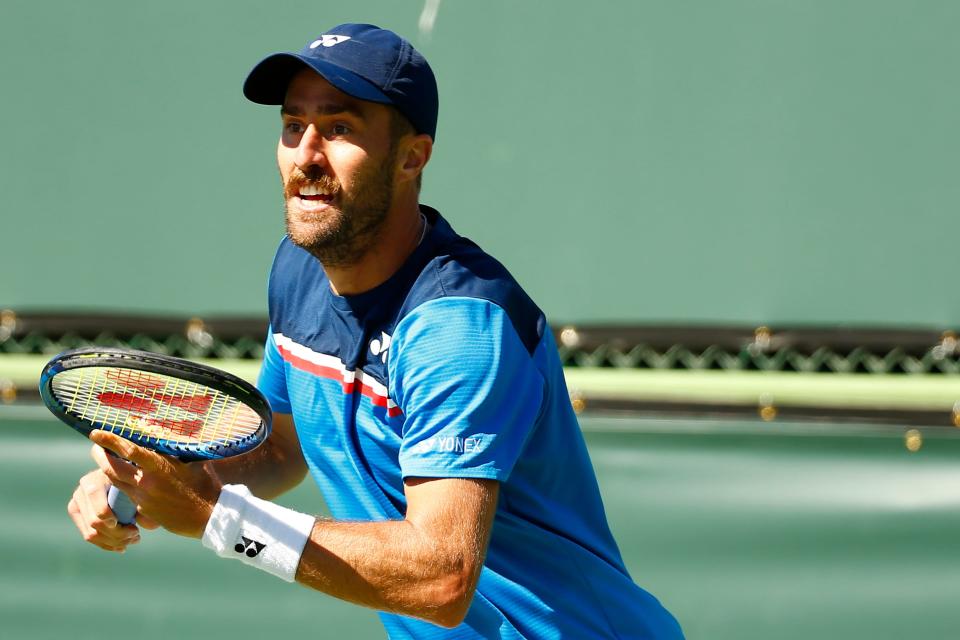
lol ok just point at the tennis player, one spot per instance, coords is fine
(411, 376)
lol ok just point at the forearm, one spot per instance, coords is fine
(388, 566)
(271, 469)
(422, 567)
(262, 470)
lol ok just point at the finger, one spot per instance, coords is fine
(116, 470)
(125, 449)
(88, 533)
(91, 498)
(90, 505)
(109, 538)
(117, 532)
(118, 547)
(108, 461)
(74, 512)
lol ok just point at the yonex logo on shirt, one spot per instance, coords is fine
(379, 346)
(448, 444)
(327, 40)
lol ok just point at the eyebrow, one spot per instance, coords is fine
(326, 109)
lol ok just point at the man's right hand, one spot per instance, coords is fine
(90, 512)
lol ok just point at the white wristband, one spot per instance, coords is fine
(257, 532)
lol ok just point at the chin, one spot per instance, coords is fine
(309, 236)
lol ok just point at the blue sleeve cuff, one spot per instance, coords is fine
(272, 380)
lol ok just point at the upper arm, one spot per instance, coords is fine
(457, 507)
(455, 515)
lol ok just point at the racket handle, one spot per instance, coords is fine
(122, 506)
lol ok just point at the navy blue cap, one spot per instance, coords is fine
(364, 61)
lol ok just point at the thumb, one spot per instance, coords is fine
(146, 522)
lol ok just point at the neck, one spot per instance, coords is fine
(399, 236)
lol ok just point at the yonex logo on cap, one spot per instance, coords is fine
(327, 40)
(378, 66)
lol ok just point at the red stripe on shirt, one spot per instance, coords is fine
(331, 373)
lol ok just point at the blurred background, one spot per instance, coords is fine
(738, 217)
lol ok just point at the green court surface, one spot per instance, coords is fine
(744, 530)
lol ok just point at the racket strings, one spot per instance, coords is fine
(129, 401)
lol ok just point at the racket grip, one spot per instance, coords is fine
(122, 506)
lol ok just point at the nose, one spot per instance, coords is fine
(310, 151)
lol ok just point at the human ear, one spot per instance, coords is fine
(416, 154)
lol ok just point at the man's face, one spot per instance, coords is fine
(337, 163)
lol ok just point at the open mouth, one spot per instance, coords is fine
(313, 194)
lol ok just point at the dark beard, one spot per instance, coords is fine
(344, 233)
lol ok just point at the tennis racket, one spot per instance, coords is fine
(172, 406)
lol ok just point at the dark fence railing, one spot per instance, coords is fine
(798, 349)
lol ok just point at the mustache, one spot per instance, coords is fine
(318, 179)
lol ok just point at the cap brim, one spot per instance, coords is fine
(267, 82)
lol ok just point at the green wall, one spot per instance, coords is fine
(742, 161)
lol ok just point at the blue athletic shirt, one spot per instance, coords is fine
(449, 370)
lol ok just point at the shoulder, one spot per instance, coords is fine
(460, 269)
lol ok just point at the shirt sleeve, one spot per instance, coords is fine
(469, 390)
(272, 380)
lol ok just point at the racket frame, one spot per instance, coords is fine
(222, 381)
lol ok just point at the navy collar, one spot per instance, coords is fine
(361, 304)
